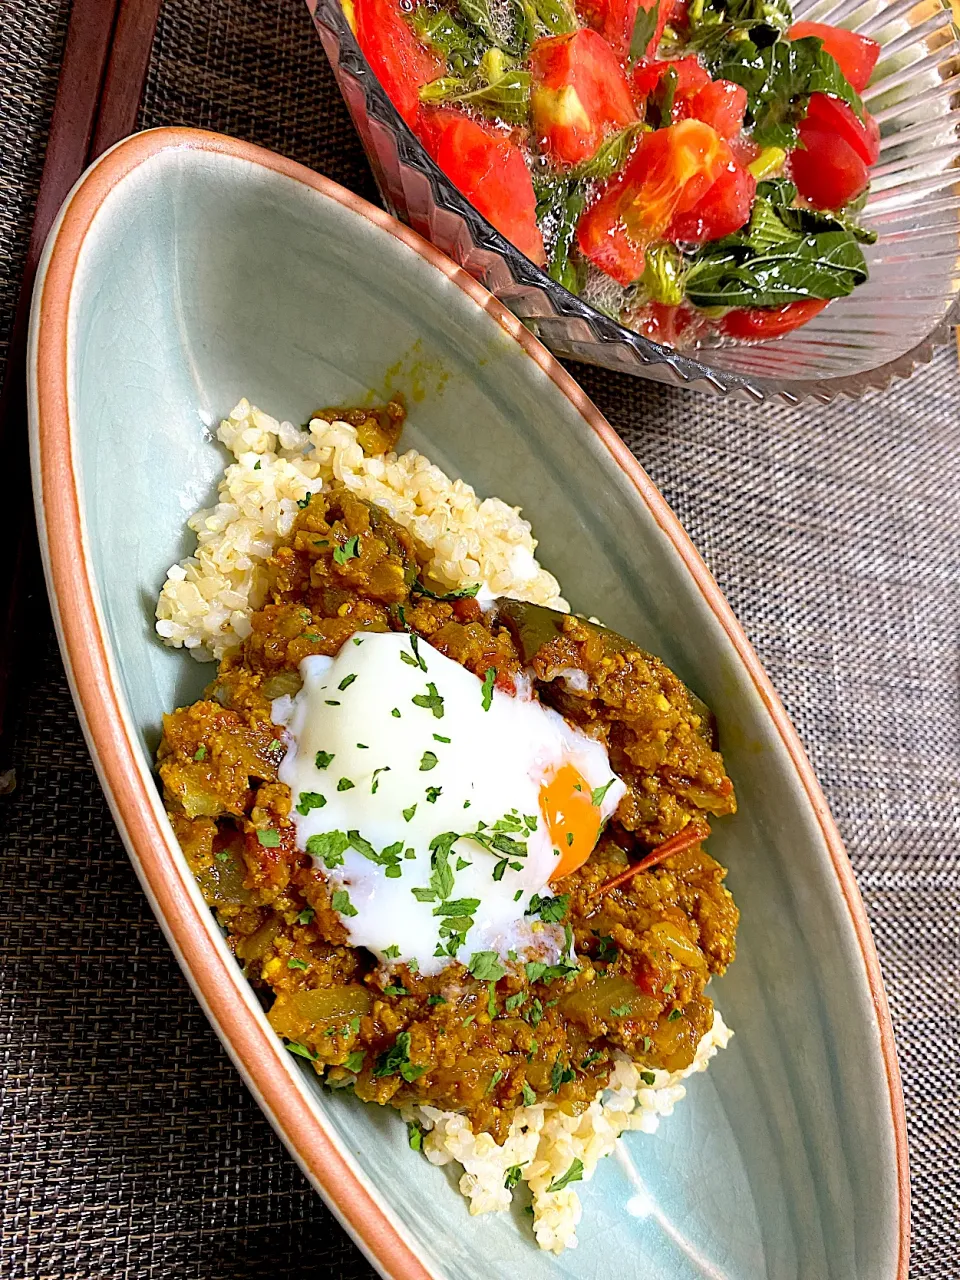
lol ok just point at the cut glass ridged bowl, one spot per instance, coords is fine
(882, 331)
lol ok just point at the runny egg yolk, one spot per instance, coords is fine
(572, 818)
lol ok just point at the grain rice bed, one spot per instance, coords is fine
(205, 606)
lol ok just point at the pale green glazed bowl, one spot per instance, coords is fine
(187, 270)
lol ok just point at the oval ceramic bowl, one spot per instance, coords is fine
(188, 269)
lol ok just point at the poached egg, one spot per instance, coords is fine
(437, 805)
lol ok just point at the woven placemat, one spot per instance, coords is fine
(128, 1148)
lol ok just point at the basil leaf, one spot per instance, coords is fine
(441, 31)
(644, 29)
(611, 156)
(731, 273)
(557, 16)
(505, 98)
(781, 194)
(779, 79)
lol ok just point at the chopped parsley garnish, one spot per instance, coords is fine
(486, 967)
(391, 952)
(491, 1000)
(345, 785)
(468, 1019)
(494, 1081)
(294, 963)
(341, 902)
(607, 951)
(397, 1060)
(306, 915)
(593, 1056)
(537, 971)
(275, 745)
(560, 1075)
(301, 1050)
(346, 682)
(515, 1001)
(200, 753)
(513, 1175)
(621, 1010)
(322, 759)
(674, 1015)
(431, 701)
(646, 1044)
(269, 838)
(311, 636)
(648, 1077)
(395, 713)
(349, 551)
(375, 780)
(550, 910)
(304, 502)
(417, 659)
(415, 1136)
(354, 1061)
(569, 839)
(329, 848)
(459, 593)
(457, 907)
(573, 1174)
(487, 691)
(395, 990)
(436, 1000)
(535, 1014)
(428, 761)
(596, 796)
(518, 895)
(667, 988)
(433, 794)
(310, 800)
(529, 1097)
(358, 640)
(438, 737)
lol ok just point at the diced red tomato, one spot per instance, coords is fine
(489, 170)
(646, 76)
(662, 323)
(725, 208)
(827, 169)
(398, 59)
(720, 104)
(833, 115)
(578, 95)
(756, 323)
(616, 19)
(668, 173)
(855, 55)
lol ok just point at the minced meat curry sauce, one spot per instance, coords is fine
(648, 916)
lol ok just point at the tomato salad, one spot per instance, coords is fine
(692, 167)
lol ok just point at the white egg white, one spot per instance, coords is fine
(398, 748)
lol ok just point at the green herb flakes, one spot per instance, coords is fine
(354, 1061)
(268, 837)
(529, 1097)
(345, 785)
(345, 683)
(375, 779)
(430, 701)
(432, 1000)
(573, 1174)
(408, 813)
(310, 800)
(392, 952)
(494, 1081)
(341, 902)
(486, 967)
(200, 753)
(329, 847)
(621, 1010)
(322, 759)
(349, 551)
(301, 1050)
(428, 761)
(550, 910)
(486, 697)
(433, 794)
(294, 963)
(598, 793)
(648, 1077)
(674, 1015)
(306, 915)
(414, 1136)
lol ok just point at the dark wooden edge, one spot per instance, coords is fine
(104, 67)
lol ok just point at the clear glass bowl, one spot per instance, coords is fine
(882, 331)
